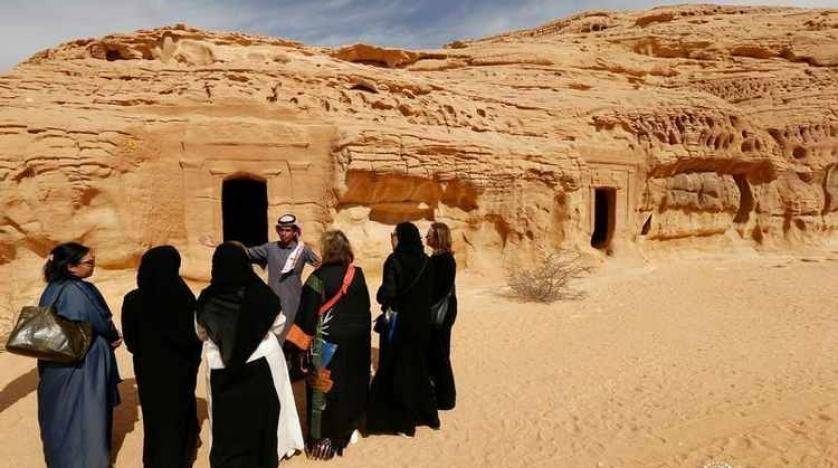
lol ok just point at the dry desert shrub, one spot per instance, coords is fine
(549, 279)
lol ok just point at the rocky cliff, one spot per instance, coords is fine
(602, 130)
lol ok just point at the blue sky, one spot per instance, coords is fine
(27, 26)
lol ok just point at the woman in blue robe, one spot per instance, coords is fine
(76, 401)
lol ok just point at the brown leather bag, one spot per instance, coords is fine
(41, 333)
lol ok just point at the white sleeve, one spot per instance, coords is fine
(279, 325)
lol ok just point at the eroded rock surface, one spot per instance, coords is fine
(675, 123)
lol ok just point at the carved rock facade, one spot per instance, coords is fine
(604, 130)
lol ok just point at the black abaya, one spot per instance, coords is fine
(439, 351)
(348, 327)
(400, 394)
(158, 328)
(245, 413)
(237, 310)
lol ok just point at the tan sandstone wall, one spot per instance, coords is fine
(706, 123)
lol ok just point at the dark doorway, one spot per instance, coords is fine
(244, 207)
(605, 201)
(746, 199)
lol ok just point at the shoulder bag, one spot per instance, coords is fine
(41, 333)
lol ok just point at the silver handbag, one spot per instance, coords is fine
(439, 311)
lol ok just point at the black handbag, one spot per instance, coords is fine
(439, 311)
(386, 321)
(41, 333)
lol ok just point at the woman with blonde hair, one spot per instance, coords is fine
(443, 315)
(333, 325)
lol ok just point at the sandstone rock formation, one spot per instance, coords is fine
(615, 130)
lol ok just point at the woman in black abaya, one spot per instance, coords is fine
(400, 394)
(445, 275)
(157, 320)
(239, 314)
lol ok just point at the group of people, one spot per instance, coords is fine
(255, 339)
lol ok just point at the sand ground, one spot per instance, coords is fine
(728, 359)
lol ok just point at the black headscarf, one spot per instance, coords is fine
(237, 308)
(410, 241)
(404, 267)
(231, 265)
(159, 274)
(160, 311)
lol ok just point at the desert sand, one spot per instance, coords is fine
(663, 363)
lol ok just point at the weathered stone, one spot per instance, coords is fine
(685, 121)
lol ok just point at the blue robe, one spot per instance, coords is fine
(75, 401)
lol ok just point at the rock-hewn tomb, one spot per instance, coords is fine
(599, 131)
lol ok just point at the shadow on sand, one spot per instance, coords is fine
(125, 415)
(18, 388)
(521, 298)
